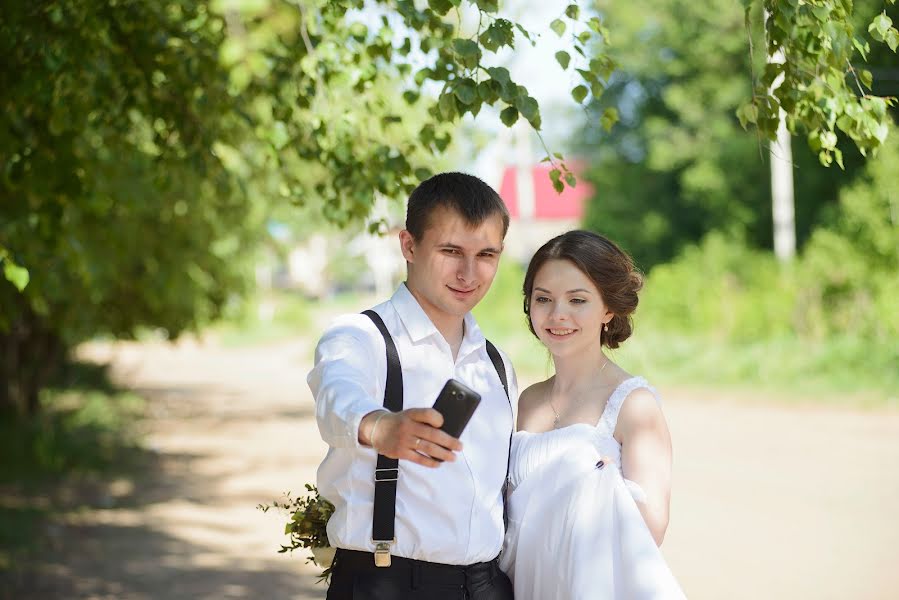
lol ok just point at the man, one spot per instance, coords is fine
(448, 523)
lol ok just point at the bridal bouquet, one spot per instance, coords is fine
(307, 526)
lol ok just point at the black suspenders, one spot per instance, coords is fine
(387, 469)
(497, 361)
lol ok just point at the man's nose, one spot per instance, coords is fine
(466, 270)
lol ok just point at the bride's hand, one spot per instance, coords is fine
(604, 461)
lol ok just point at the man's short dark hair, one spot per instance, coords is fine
(466, 194)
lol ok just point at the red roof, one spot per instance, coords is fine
(547, 203)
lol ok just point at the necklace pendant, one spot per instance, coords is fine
(556, 422)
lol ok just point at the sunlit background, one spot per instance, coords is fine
(154, 379)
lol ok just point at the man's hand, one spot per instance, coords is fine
(412, 434)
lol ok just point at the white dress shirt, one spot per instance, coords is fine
(452, 514)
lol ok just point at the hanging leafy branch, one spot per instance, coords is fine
(815, 82)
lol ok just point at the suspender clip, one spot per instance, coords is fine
(382, 554)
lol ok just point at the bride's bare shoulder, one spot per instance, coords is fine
(531, 398)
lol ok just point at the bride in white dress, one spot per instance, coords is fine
(590, 476)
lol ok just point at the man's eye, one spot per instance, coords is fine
(450, 251)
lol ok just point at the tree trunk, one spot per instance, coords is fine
(32, 353)
(782, 202)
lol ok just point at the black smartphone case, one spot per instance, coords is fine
(456, 402)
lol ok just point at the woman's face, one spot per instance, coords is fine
(567, 310)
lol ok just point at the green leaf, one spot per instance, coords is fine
(570, 179)
(509, 116)
(466, 91)
(358, 31)
(487, 91)
(447, 107)
(530, 110)
(892, 39)
(609, 118)
(828, 140)
(862, 46)
(563, 58)
(879, 26)
(442, 142)
(441, 7)
(500, 74)
(16, 275)
(555, 176)
(572, 11)
(499, 34)
(579, 93)
(422, 173)
(866, 78)
(527, 106)
(466, 48)
(558, 26)
(411, 96)
(748, 113)
(822, 13)
(525, 33)
(423, 74)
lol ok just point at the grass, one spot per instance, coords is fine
(84, 435)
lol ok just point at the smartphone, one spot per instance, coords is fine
(456, 402)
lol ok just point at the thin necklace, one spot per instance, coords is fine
(557, 417)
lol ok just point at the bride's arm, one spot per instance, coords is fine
(646, 456)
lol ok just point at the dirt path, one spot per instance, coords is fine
(768, 503)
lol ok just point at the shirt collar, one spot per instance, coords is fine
(419, 325)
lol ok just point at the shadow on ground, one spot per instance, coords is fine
(70, 531)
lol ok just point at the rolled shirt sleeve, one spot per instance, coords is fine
(346, 379)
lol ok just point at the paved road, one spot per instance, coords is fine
(769, 502)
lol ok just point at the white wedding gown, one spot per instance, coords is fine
(575, 532)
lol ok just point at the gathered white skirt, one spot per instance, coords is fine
(576, 533)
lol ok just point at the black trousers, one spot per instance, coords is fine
(355, 577)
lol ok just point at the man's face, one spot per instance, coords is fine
(453, 265)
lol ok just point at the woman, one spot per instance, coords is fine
(590, 476)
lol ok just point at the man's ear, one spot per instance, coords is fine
(407, 245)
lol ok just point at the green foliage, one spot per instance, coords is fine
(835, 306)
(850, 276)
(143, 146)
(677, 164)
(307, 525)
(812, 78)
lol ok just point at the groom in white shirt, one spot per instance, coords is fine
(448, 523)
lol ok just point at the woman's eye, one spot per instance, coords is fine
(541, 299)
(578, 301)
